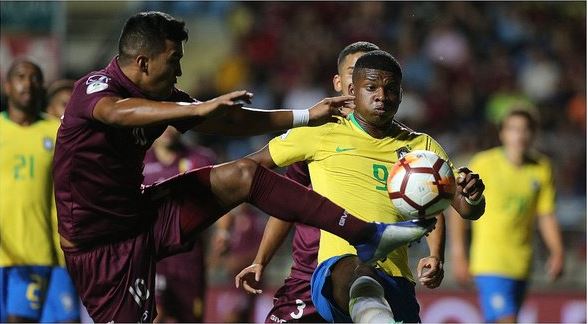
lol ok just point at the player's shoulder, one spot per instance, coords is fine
(490, 154)
(49, 122)
(538, 158)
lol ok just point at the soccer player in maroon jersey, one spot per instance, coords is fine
(113, 230)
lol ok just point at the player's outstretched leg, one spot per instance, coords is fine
(245, 181)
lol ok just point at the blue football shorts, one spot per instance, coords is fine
(62, 303)
(22, 291)
(399, 293)
(500, 296)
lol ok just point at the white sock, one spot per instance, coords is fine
(367, 303)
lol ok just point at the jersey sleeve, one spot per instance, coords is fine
(88, 91)
(546, 198)
(297, 144)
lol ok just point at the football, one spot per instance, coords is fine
(421, 184)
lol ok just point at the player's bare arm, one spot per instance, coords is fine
(250, 121)
(139, 112)
(275, 232)
(430, 269)
(469, 199)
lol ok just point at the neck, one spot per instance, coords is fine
(376, 131)
(21, 117)
(515, 156)
(130, 72)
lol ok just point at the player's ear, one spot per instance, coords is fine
(337, 83)
(351, 90)
(400, 97)
(143, 63)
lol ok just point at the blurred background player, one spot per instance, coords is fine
(27, 250)
(233, 246)
(62, 303)
(58, 94)
(342, 161)
(180, 282)
(520, 193)
(292, 301)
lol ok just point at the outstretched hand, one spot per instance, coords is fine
(249, 278)
(219, 105)
(325, 109)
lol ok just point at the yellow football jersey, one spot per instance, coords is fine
(502, 238)
(350, 167)
(26, 192)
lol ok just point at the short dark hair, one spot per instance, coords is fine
(59, 85)
(527, 113)
(17, 62)
(356, 47)
(146, 32)
(378, 60)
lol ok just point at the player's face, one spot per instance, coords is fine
(163, 70)
(342, 80)
(516, 133)
(377, 96)
(24, 88)
(59, 102)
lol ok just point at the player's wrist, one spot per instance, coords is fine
(474, 202)
(300, 117)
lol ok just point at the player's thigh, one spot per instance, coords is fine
(62, 302)
(500, 297)
(185, 207)
(322, 291)
(401, 296)
(24, 289)
(293, 304)
(116, 281)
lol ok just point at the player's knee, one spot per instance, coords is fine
(236, 176)
(245, 170)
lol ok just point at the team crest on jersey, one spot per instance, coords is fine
(47, 143)
(402, 152)
(96, 83)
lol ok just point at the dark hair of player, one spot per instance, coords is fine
(525, 113)
(16, 63)
(145, 33)
(377, 60)
(355, 48)
(57, 86)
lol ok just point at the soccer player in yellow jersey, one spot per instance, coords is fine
(27, 252)
(348, 162)
(520, 192)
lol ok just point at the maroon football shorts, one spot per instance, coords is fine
(116, 280)
(293, 304)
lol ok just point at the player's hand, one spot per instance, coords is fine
(461, 271)
(555, 266)
(219, 105)
(325, 109)
(249, 278)
(430, 272)
(469, 184)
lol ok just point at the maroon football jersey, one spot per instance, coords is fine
(98, 168)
